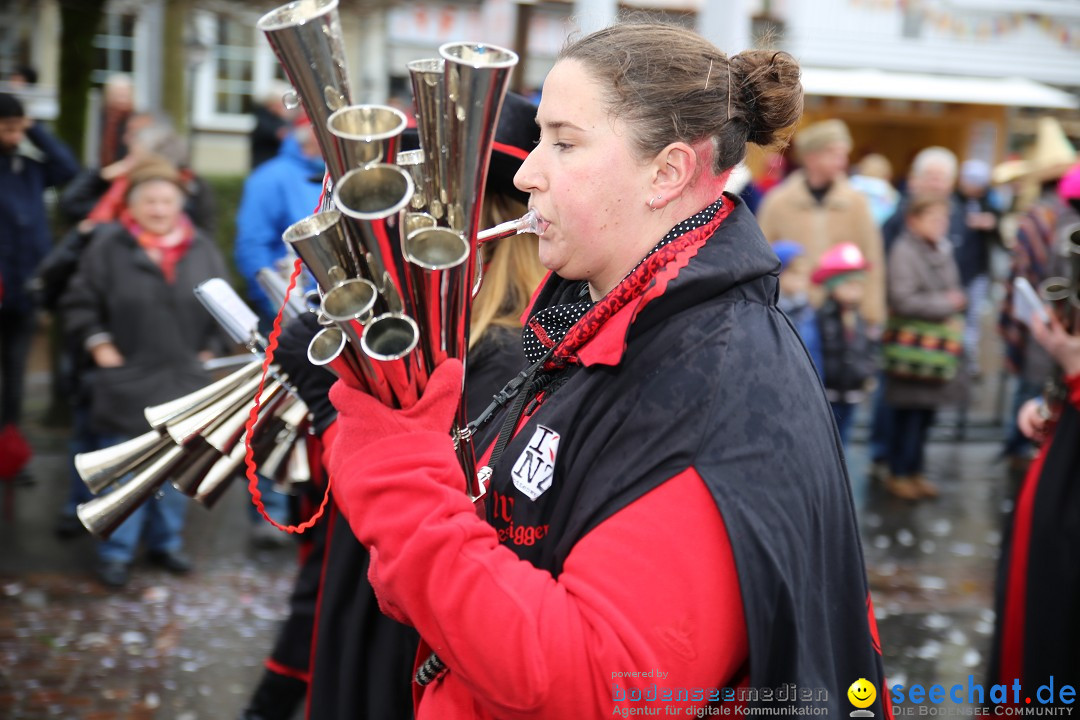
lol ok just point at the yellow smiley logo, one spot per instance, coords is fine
(862, 693)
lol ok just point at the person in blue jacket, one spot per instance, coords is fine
(31, 160)
(278, 193)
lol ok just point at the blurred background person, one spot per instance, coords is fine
(1035, 634)
(22, 77)
(817, 208)
(118, 105)
(131, 306)
(277, 194)
(932, 175)
(794, 297)
(980, 234)
(31, 160)
(924, 285)
(272, 120)
(96, 195)
(773, 171)
(1038, 233)
(96, 198)
(848, 354)
(873, 178)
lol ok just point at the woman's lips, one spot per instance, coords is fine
(541, 224)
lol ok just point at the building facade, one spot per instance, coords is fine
(968, 74)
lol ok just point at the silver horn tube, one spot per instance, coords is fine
(182, 407)
(306, 37)
(183, 430)
(476, 78)
(328, 252)
(365, 134)
(371, 199)
(225, 468)
(390, 341)
(437, 260)
(100, 468)
(223, 437)
(102, 515)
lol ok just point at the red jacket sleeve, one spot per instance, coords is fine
(1073, 384)
(652, 588)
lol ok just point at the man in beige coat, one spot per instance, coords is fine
(817, 208)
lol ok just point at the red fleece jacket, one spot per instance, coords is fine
(653, 588)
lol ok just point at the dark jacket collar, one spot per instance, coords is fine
(735, 254)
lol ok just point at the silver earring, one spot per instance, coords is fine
(652, 200)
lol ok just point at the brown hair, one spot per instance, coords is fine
(919, 204)
(670, 84)
(512, 271)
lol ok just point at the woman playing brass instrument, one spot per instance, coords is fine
(1036, 635)
(668, 514)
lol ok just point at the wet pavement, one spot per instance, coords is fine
(176, 647)
(191, 648)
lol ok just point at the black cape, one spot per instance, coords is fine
(713, 376)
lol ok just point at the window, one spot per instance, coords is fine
(114, 47)
(17, 23)
(234, 67)
(238, 70)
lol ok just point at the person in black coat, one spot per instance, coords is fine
(131, 306)
(271, 125)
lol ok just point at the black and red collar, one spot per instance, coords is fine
(587, 333)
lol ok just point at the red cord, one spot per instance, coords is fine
(253, 416)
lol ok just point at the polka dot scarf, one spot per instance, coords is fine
(547, 328)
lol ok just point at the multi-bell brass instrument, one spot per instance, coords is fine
(1062, 291)
(189, 435)
(411, 231)
(156, 457)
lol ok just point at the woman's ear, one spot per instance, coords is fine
(673, 169)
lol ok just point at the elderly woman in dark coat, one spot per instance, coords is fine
(923, 284)
(131, 306)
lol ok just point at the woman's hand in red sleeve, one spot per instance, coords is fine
(364, 420)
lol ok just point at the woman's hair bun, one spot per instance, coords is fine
(769, 93)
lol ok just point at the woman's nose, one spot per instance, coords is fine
(528, 178)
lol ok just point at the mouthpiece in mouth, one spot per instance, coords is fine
(530, 222)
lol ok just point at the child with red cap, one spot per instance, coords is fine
(848, 353)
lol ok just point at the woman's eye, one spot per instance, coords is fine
(562, 145)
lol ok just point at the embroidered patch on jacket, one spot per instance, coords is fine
(535, 466)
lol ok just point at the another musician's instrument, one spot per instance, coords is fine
(1062, 291)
